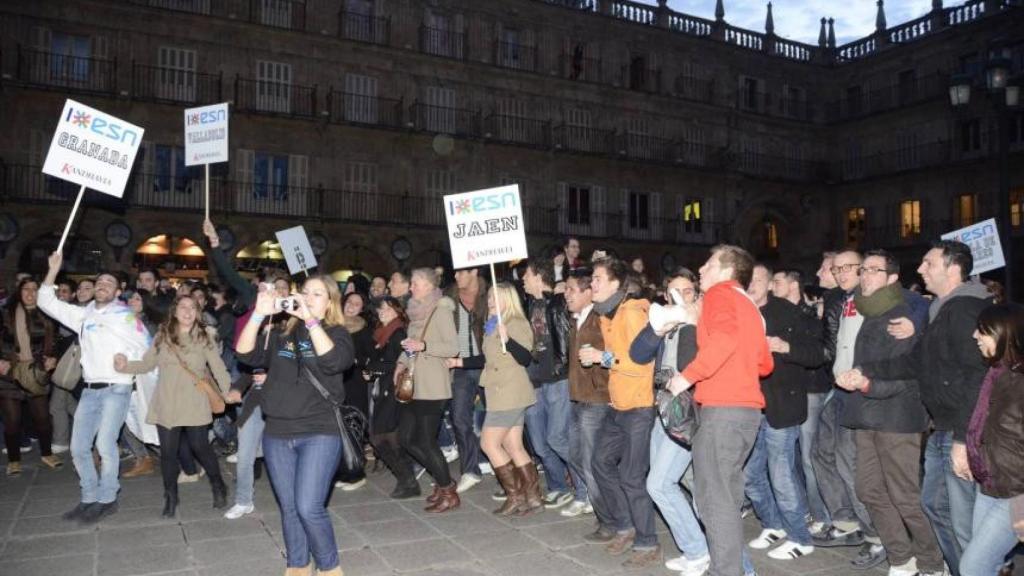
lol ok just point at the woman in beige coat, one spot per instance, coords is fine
(506, 354)
(183, 350)
(431, 342)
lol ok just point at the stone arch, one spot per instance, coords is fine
(173, 255)
(759, 221)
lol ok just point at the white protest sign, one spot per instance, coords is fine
(983, 238)
(485, 226)
(298, 254)
(206, 134)
(93, 149)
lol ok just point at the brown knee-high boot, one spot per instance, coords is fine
(533, 498)
(511, 482)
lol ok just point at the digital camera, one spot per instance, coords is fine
(289, 304)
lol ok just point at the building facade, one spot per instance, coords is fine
(636, 128)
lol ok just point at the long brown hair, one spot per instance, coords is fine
(333, 316)
(169, 328)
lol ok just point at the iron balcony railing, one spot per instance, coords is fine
(442, 42)
(66, 72)
(364, 27)
(445, 120)
(349, 108)
(575, 66)
(173, 85)
(584, 139)
(641, 78)
(281, 98)
(287, 14)
(516, 56)
(518, 130)
(909, 92)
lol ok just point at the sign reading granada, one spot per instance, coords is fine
(206, 135)
(485, 226)
(93, 149)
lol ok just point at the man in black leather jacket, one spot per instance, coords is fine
(547, 421)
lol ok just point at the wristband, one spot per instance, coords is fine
(312, 323)
(257, 318)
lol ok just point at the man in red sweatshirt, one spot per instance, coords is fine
(732, 356)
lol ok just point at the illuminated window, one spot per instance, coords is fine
(771, 235)
(1017, 208)
(855, 218)
(910, 218)
(692, 222)
(966, 209)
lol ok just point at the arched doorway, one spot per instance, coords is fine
(260, 255)
(174, 256)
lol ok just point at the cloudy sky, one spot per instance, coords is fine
(801, 19)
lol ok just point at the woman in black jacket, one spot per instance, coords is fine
(353, 306)
(387, 348)
(302, 441)
(995, 440)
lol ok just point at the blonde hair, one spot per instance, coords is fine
(333, 316)
(508, 300)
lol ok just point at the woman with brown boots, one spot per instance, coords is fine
(506, 353)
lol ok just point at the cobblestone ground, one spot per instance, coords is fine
(375, 534)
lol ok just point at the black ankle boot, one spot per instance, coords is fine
(220, 492)
(406, 490)
(170, 502)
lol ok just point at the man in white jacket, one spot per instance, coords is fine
(105, 327)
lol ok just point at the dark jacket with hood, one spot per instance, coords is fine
(556, 315)
(785, 389)
(886, 405)
(945, 360)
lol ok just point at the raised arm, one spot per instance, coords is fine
(68, 315)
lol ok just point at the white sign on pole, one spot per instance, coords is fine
(93, 149)
(206, 134)
(485, 226)
(298, 254)
(983, 238)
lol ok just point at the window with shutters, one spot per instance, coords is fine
(440, 111)
(578, 129)
(70, 58)
(511, 120)
(910, 218)
(639, 210)
(361, 99)
(176, 75)
(510, 49)
(442, 36)
(1017, 208)
(638, 138)
(750, 155)
(855, 225)
(906, 150)
(853, 160)
(170, 173)
(693, 221)
(361, 178)
(970, 135)
(751, 93)
(276, 13)
(360, 22)
(794, 102)
(577, 209)
(273, 86)
(440, 183)
(965, 210)
(270, 176)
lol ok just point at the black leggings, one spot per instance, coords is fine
(418, 424)
(39, 408)
(198, 440)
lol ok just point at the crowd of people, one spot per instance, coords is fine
(846, 412)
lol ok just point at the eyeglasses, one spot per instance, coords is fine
(844, 268)
(871, 270)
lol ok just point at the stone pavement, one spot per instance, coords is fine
(376, 536)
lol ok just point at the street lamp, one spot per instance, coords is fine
(1003, 94)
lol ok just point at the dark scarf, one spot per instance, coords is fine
(383, 333)
(609, 306)
(883, 300)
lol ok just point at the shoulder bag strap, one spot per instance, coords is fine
(423, 337)
(181, 361)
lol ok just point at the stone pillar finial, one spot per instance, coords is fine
(880, 24)
(936, 4)
(831, 33)
(769, 22)
(822, 35)
(719, 10)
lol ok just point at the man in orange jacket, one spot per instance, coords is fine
(732, 356)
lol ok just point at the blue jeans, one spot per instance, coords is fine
(773, 485)
(465, 386)
(808, 432)
(547, 423)
(992, 537)
(586, 421)
(302, 470)
(948, 501)
(250, 440)
(669, 460)
(99, 418)
(622, 458)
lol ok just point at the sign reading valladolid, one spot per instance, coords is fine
(485, 226)
(93, 149)
(983, 238)
(206, 134)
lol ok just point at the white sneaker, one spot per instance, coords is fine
(351, 486)
(767, 539)
(790, 551)
(451, 453)
(59, 448)
(588, 509)
(231, 458)
(817, 528)
(466, 482)
(908, 568)
(190, 478)
(575, 509)
(556, 499)
(485, 468)
(688, 567)
(237, 511)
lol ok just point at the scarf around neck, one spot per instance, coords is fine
(883, 300)
(419, 310)
(608, 307)
(383, 333)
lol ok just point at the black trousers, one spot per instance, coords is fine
(198, 440)
(418, 424)
(39, 410)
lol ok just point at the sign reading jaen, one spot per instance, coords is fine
(206, 134)
(485, 226)
(93, 149)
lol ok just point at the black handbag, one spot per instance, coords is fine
(678, 414)
(351, 425)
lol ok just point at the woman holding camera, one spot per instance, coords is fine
(431, 343)
(183, 349)
(507, 347)
(302, 440)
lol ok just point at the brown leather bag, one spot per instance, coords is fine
(405, 388)
(205, 384)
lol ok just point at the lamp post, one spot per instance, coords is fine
(1004, 95)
